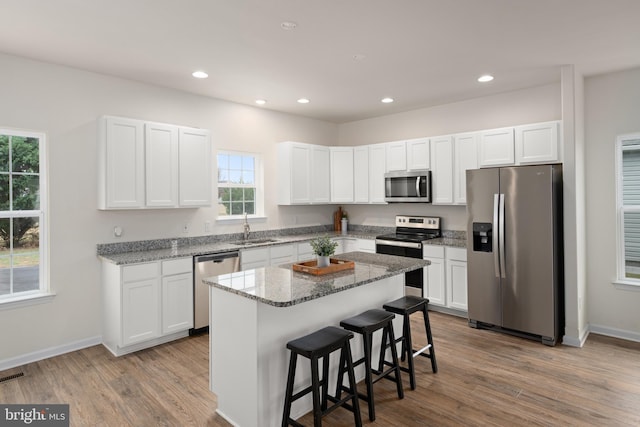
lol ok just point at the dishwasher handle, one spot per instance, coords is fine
(216, 257)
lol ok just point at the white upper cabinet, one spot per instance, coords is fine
(442, 170)
(497, 148)
(537, 143)
(195, 167)
(360, 174)
(396, 156)
(304, 174)
(161, 164)
(342, 174)
(121, 163)
(418, 155)
(465, 156)
(377, 168)
(152, 165)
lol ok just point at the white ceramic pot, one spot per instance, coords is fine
(323, 261)
(344, 226)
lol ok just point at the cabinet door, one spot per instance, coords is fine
(361, 174)
(377, 169)
(123, 148)
(418, 155)
(457, 284)
(434, 282)
(282, 254)
(465, 154)
(140, 311)
(396, 156)
(442, 170)
(537, 143)
(195, 167)
(161, 161)
(320, 174)
(367, 245)
(497, 148)
(341, 174)
(300, 179)
(305, 252)
(177, 303)
(254, 258)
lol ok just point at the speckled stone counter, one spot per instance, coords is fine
(283, 287)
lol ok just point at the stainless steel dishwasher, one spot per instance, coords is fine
(207, 266)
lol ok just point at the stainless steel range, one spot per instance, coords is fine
(411, 233)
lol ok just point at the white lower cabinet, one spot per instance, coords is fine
(445, 279)
(367, 245)
(282, 254)
(146, 304)
(254, 258)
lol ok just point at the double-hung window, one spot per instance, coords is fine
(239, 184)
(22, 215)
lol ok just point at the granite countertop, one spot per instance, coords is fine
(448, 241)
(283, 287)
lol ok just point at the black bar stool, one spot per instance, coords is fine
(315, 346)
(366, 324)
(405, 306)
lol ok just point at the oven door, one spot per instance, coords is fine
(413, 280)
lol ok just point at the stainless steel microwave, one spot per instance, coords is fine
(408, 186)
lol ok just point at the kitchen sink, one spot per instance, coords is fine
(253, 242)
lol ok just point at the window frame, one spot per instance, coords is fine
(43, 293)
(621, 210)
(259, 184)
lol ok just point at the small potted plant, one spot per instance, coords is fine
(323, 247)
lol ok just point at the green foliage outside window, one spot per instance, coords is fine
(236, 184)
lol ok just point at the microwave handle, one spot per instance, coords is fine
(418, 186)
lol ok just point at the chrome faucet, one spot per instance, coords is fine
(247, 229)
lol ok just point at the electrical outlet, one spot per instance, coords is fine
(207, 226)
(185, 227)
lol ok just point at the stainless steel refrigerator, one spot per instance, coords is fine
(514, 250)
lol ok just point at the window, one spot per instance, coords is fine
(239, 184)
(22, 215)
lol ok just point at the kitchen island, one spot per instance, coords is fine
(254, 313)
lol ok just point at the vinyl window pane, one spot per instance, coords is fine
(25, 154)
(4, 153)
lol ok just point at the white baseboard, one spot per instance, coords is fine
(616, 333)
(576, 341)
(48, 352)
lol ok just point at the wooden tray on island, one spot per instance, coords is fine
(311, 267)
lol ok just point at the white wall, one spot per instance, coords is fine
(612, 108)
(65, 103)
(536, 104)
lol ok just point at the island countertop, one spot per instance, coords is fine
(283, 287)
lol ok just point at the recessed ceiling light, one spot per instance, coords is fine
(288, 25)
(260, 101)
(387, 100)
(200, 74)
(485, 78)
(303, 101)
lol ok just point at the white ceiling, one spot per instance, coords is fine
(420, 52)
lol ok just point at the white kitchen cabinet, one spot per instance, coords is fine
(434, 284)
(146, 304)
(418, 154)
(340, 247)
(161, 165)
(254, 258)
(360, 174)
(342, 174)
(367, 245)
(456, 275)
(465, 157)
(496, 148)
(349, 245)
(396, 156)
(305, 251)
(377, 169)
(195, 167)
(282, 254)
(121, 163)
(442, 170)
(177, 295)
(304, 175)
(537, 143)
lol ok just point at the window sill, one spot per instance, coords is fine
(240, 219)
(627, 285)
(10, 303)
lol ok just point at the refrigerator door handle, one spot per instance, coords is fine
(495, 242)
(418, 186)
(503, 267)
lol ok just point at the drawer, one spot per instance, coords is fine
(367, 245)
(304, 250)
(457, 254)
(254, 255)
(134, 273)
(432, 251)
(281, 251)
(177, 266)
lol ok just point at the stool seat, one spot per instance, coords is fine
(406, 305)
(368, 321)
(323, 341)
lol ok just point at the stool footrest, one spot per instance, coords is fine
(422, 351)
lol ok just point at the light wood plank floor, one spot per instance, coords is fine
(484, 378)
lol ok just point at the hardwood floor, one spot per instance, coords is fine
(484, 378)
